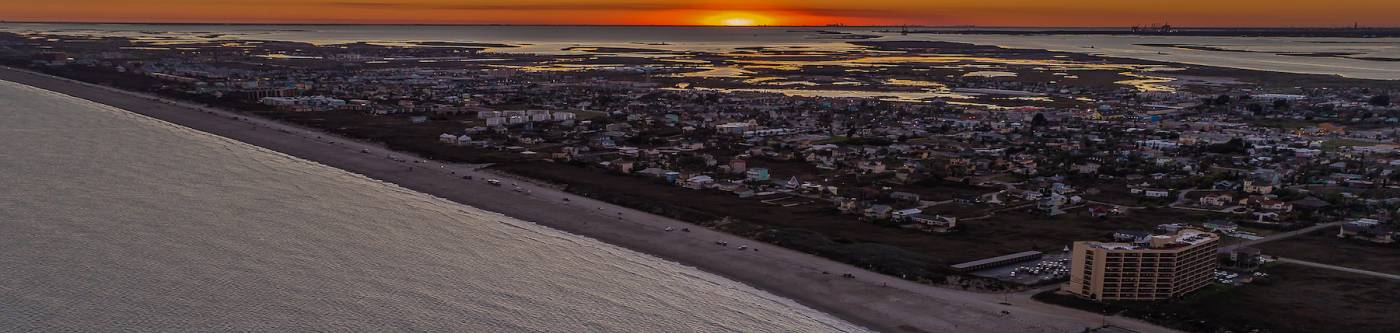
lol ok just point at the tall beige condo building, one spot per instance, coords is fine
(1158, 267)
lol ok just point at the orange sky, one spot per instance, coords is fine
(679, 12)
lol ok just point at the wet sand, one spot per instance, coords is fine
(876, 301)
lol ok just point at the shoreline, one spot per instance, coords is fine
(871, 300)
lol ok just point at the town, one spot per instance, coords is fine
(972, 167)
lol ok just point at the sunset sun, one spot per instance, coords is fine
(738, 22)
(737, 19)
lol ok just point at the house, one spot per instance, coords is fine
(1244, 257)
(738, 166)
(653, 172)
(624, 166)
(1101, 211)
(1224, 185)
(934, 223)
(1264, 217)
(904, 196)
(874, 167)
(1217, 199)
(1051, 204)
(1170, 228)
(1087, 168)
(1221, 226)
(878, 212)
(757, 174)
(846, 205)
(744, 192)
(1257, 187)
(699, 182)
(1261, 182)
(1276, 205)
(905, 214)
(1132, 236)
(1310, 202)
(1368, 230)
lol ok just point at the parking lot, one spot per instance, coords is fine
(1052, 267)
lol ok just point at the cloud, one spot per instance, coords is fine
(552, 6)
(616, 6)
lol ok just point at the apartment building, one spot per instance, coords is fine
(1158, 267)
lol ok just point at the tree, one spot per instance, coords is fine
(1039, 121)
(1234, 146)
(1380, 100)
(1254, 107)
(1280, 104)
(1222, 100)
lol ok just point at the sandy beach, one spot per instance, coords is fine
(872, 300)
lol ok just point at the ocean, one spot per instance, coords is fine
(1370, 58)
(113, 221)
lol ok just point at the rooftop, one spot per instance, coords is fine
(1183, 237)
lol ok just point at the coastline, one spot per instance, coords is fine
(871, 300)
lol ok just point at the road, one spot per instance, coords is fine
(873, 300)
(1339, 268)
(1280, 236)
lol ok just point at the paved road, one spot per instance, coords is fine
(1280, 236)
(874, 300)
(1339, 268)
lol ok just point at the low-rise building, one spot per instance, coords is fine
(934, 223)
(1368, 230)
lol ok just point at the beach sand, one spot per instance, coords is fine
(872, 300)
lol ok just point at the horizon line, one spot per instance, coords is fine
(834, 25)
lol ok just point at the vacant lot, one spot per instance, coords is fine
(1298, 299)
(1323, 246)
(1304, 299)
(398, 133)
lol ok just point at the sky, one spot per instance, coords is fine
(1045, 13)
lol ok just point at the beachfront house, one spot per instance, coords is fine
(1368, 230)
(934, 223)
(879, 212)
(1221, 226)
(1156, 193)
(905, 214)
(699, 182)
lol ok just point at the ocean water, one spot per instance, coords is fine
(1257, 53)
(113, 221)
(1264, 53)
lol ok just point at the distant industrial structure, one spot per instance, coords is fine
(1164, 28)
